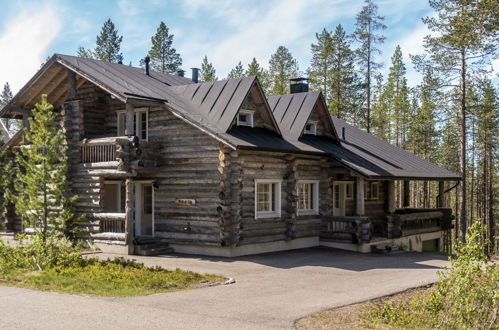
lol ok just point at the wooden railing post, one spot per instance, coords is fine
(391, 196)
(407, 194)
(129, 210)
(359, 200)
(441, 190)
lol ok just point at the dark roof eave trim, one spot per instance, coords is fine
(416, 178)
(137, 96)
(287, 151)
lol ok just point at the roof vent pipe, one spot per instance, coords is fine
(195, 75)
(343, 133)
(147, 60)
(180, 72)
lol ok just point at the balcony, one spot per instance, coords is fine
(126, 154)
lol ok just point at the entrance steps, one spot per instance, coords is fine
(150, 246)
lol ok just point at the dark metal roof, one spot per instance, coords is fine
(218, 101)
(292, 111)
(375, 157)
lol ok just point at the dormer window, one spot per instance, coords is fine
(310, 128)
(245, 118)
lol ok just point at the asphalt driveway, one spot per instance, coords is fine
(271, 291)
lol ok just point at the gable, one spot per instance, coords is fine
(255, 103)
(293, 111)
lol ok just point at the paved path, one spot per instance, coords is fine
(271, 291)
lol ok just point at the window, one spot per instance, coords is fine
(310, 128)
(245, 118)
(336, 195)
(349, 190)
(112, 197)
(140, 123)
(308, 197)
(374, 190)
(267, 198)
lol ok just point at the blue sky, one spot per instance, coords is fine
(226, 31)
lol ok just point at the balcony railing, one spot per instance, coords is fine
(417, 221)
(347, 229)
(110, 222)
(98, 152)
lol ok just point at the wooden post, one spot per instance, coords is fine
(359, 200)
(129, 211)
(391, 196)
(71, 81)
(441, 189)
(407, 194)
(130, 115)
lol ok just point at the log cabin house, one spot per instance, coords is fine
(162, 162)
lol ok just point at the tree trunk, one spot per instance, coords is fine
(462, 160)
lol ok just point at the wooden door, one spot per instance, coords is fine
(339, 199)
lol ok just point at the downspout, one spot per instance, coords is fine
(446, 191)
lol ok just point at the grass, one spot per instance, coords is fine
(116, 278)
(355, 316)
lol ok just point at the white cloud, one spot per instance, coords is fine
(24, 42)
(257, 31)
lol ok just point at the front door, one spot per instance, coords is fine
(144, 208)
(339, 199)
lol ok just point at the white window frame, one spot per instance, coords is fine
(117, 183)
(136, 113)
(313, 131)
(314, 202)
(248, 113)
(277, 196)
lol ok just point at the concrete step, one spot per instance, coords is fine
(153, 251)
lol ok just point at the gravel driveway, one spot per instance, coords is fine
(271, 291)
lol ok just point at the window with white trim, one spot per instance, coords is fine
(140, 123)
(349, 190)
(267, 198)
(245, 118)
(310, 128)
(308, 197)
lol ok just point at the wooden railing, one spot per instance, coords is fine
(346, 229)
(417, 221)
(98, 152)
(110, 222)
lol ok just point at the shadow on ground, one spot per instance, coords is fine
(331, 258)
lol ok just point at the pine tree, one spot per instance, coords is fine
(108, 44)
(6, 96)
(41, 186)
(344, 80)
(464, 35)
(487, 141)
(236, 72)
(396, 94)
(320, 71)
(208, 72)
(380, 121)
(164, 58)
(367, 23)
(282, 67)
(254, 69)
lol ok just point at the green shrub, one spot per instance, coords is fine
(466, 296)
(32, 253)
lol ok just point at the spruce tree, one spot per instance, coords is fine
(85, 53)
(380, 121)
(282, 67)
(40, 184)
(236, 72)
(108, 44)
(164, 58)
(10, 124)
(5, 180)
(254, 69)
(367, 23)
(320, 71)
(208, 72)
